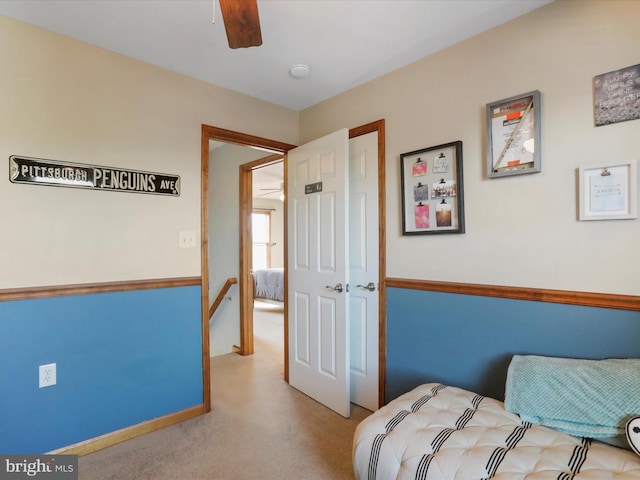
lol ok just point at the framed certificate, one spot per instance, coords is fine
(513, 135)
(432, 191)
(608, 191)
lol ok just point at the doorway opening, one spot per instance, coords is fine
(267, 263)
(258, 192)
(245, 282)
(216, 134)
(264, 315)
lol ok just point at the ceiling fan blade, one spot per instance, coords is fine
(241, 22)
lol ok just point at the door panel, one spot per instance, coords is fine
(357, 221)
(327, 232)
(327, 322)
(318, 242)
(358, 335)
(364, 269)
(301, 329)
(301, 232)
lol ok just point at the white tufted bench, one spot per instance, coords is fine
(446, 433)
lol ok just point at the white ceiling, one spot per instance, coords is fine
(267, 181)
(345, 42)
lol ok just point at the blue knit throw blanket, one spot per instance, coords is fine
(585, 398)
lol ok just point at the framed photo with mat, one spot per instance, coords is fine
(608, 191)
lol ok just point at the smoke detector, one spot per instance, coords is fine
(299, 70)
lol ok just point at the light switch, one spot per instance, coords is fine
(187, 239)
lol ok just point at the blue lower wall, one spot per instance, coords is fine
(122, 358)
(468, 341)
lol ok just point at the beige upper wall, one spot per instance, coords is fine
(69, 101)
(66, 100)
(521, 230)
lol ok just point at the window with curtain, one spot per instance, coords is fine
(261, 238)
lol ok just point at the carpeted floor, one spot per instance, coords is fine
(259, 428)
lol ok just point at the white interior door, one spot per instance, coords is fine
(364, 269)
(318, 259)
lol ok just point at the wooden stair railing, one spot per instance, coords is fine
(220, 297)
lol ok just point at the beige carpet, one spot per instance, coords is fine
(259, 428)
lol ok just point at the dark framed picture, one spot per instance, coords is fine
(513, 135)
(432, 190)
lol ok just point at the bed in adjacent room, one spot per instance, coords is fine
(269, 284)
(557, 416)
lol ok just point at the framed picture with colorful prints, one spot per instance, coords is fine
(432, 190)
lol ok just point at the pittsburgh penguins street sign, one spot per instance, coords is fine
(36, 171)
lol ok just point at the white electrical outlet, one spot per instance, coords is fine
(47, 375)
